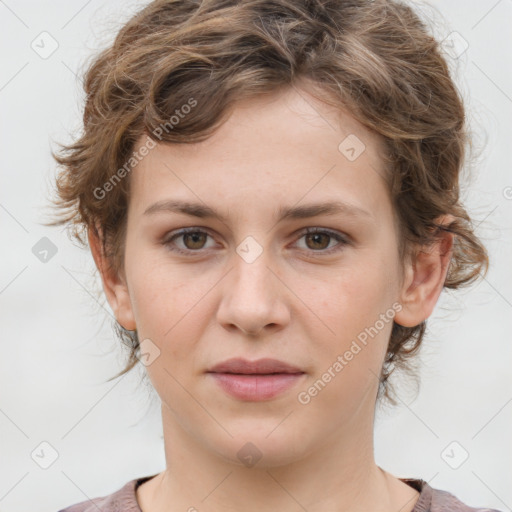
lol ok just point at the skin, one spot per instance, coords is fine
(295, 302)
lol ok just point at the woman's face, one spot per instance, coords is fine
(252, 284)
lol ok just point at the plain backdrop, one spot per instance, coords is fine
(58, 348)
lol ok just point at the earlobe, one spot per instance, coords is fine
(114, 285)
(424, 281)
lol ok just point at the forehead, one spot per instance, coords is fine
(285, 146)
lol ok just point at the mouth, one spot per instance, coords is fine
(258, 380)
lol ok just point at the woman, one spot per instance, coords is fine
(270, 193)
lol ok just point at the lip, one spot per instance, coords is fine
(255, 381)
(263, 366)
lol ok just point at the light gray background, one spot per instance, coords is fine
(58, 348)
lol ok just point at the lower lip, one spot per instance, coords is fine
(256, 387)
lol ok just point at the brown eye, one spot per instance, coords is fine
(318, 240)
(194, 240)
(187, 241)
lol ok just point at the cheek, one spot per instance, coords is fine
(356, 306)
(157, 296)
(352, 299)
(349, 359)
(170, 309)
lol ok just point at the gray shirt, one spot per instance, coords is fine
(125, 500)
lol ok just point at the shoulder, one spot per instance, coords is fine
(122, 500)
(437, 500)
(443, 501)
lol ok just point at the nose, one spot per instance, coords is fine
(254, 298)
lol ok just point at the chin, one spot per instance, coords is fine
(259, 444)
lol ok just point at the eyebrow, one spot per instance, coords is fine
(285, 212)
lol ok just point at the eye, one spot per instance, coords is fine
(317, 240)
(193, 240)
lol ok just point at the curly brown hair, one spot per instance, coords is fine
(375, 59)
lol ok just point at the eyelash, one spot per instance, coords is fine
(168, 242)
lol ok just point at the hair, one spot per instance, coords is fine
(177, 68)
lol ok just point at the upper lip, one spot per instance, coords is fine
(260, 366)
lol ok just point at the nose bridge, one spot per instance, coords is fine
(252, 276)
(252, 296)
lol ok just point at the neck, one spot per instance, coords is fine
(338, 475)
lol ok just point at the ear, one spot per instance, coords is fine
(114, 285)
(424, 279)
